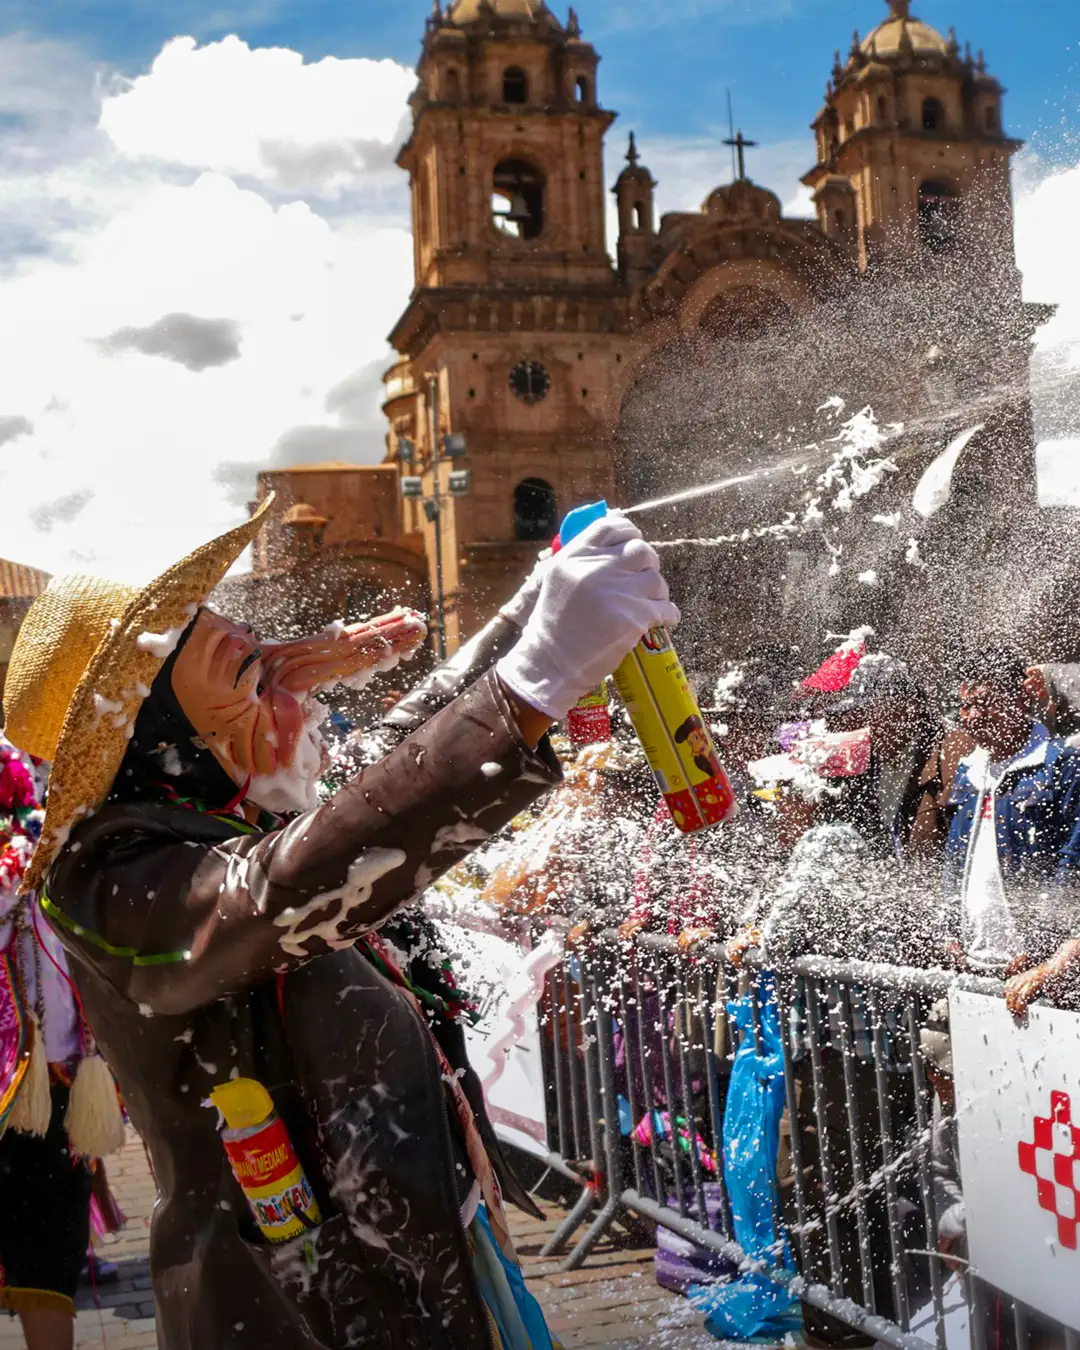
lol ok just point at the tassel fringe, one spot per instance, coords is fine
(32, 1110)
(95, 1125)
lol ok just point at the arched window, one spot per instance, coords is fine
(582, 91)
(839, 222)
(515, 85)
(453, 85)
(640, 217)
(933, 115)
(939, 217)
(423, 206)
(992, 122)
(830, 135)
(536, 516)
(882, 110)
(517, 199)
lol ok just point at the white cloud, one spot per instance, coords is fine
(1047, 204)
(195, 343)
(1058, 467)
(56, 166)
(1046, 213)
(37, 79)
(170, 325)
(264, 114)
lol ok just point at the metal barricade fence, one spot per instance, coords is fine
(575, 1108)
(639, 1050)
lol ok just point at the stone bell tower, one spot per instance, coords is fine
(912, 179)
(912, 155)
(509, 338)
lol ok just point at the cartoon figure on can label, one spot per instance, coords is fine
(656, 640)
(692, 733)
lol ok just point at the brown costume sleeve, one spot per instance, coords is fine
(175, 923)
(448, 680)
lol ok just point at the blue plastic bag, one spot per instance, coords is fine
(752, 1305)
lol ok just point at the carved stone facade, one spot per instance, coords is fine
(909, 141)
(521, 335)
(333, 548)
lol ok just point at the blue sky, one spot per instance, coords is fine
(204, 241)
(666, 66)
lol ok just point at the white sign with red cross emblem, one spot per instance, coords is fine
(1018, 1111)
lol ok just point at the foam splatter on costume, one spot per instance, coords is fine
(208, 945)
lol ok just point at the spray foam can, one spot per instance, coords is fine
(264, 1161)
(666, 716)
(588, 721)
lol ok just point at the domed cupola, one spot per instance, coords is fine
(914, 127)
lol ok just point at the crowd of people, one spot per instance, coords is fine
(874, 824)
(878, 822)
(211, 919)
(53, 1185)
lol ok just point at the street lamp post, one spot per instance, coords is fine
(448, 447)
(433, 511)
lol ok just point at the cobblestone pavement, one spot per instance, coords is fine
(614, 1302)
(125, 1320)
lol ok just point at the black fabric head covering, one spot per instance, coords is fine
(166, 759)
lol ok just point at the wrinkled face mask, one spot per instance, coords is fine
(253, 703)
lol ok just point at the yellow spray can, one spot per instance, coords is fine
(264, 1161)
(666, 716)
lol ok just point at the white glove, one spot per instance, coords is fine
(598, 597)
(519, 609)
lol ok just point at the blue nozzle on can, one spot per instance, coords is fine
(579, 520)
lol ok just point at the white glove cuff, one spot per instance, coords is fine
(518, 609)
(542, 689)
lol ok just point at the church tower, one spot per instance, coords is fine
(912, 157)
(633, 193)
(508, 338)
(912, 178)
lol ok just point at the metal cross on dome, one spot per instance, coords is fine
(740, 144)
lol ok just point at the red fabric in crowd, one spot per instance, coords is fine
(835, 672)
(16, 785)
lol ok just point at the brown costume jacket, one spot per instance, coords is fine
(177, 927)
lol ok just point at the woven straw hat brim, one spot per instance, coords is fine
(100, 718)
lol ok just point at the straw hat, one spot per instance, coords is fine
(85, 658)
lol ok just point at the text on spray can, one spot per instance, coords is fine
(673, 734)
(264, 1161)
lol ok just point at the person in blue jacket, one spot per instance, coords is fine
(1012, 859)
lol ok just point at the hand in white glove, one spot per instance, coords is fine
(519, 609)
(598, 597)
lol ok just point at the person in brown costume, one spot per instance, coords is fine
(212, 941)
